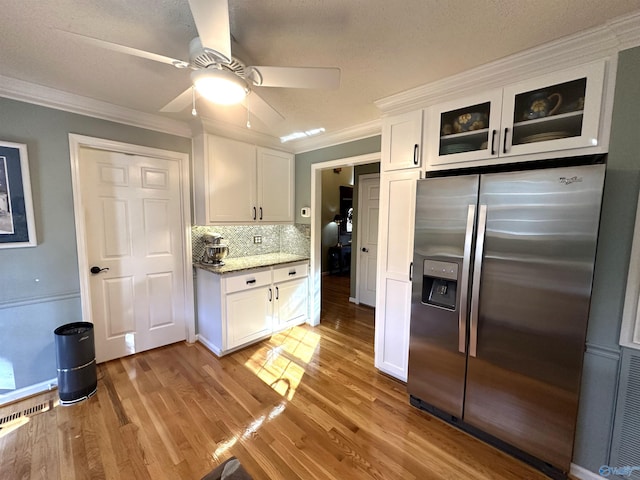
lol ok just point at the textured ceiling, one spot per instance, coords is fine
(381, 46)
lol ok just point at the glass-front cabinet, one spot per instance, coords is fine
(468, 129)
(559, 111)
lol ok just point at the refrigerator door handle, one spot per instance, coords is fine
(464, 280)
(477, 272)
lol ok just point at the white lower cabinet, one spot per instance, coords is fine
(291, 305)
(248, 316)
(235, 310)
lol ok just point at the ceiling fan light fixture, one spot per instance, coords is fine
(220, 86)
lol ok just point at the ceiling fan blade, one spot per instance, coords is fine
(260, 108)
(295, 77)
(212, 22)
(179, 103)
(128, 50)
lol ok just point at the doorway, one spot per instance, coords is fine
(132, 215)
(316, 224)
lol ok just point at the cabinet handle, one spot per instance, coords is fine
(292, 272)
(277, 293)
(493, 142)
(504, 146)
(411, 272)
(254, 213)
(260, 213)
(270, 294)
(415, 154)
(250, 282)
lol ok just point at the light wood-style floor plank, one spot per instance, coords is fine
(305, 404)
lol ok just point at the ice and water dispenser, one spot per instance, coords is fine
(440, 284)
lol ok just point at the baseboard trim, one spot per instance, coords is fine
(209, 345)
(583, 474)
(25, 392)
(354, 300)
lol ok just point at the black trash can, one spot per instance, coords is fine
(76, 361)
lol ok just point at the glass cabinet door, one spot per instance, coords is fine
(556, 112)
(467, 129)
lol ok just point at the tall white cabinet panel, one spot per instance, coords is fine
(401, 141)
(395, 253)
(275, 185)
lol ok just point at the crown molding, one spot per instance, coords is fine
(627, 30)
(49, 97)
(357, 132)
(598, 43)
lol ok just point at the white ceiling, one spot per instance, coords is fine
(381, 46)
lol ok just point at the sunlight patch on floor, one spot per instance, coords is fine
(275, 366)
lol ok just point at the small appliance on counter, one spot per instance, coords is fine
(214, 250)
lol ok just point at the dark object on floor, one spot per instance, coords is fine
(228, 470)
(76, 362)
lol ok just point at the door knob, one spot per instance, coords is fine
(96, 270)
(365, 249)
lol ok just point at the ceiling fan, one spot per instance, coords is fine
(217, 75)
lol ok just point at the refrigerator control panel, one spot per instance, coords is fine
(440, 284)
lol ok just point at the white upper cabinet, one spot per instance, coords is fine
(275, 185)
(555, 112)
(402, 141)
(236, 182)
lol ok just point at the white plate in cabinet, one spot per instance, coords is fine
(529, 120)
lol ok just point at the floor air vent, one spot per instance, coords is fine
(12, 418)
(626, 431)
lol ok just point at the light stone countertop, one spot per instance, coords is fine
(238, 264)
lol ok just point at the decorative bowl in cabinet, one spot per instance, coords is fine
(470, 121)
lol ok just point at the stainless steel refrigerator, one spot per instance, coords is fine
(502, 276)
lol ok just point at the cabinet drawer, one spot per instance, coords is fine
(290, 272)
(245, 281)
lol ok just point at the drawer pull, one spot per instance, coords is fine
(292, 272)
(249, 282)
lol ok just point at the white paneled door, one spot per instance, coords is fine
(132, 214)
(368, 213)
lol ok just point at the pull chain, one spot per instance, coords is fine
(194, 112)
(248, 113)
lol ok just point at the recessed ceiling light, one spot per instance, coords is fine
(306, 133)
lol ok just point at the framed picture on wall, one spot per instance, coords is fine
(17, 225)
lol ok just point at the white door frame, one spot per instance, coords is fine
(316, 227)
(359, 229)
(76, 142)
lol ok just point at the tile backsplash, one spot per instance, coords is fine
(294, 239)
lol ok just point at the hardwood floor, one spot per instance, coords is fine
(307, 404)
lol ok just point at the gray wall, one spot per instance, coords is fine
(306, 159)
(39, 286)
(600, 373)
